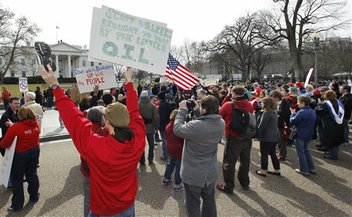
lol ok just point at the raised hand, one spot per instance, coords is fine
(128, 75)
(49, 77)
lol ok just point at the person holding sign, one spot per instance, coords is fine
(26, 157)
(113, 162)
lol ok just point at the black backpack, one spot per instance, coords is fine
(243, 123)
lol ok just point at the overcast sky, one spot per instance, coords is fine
(193, 20)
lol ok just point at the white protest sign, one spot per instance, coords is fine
(308, 77)
(23, 84)
(7, 163)
(120, 38)
(87, 78)
(209, 82)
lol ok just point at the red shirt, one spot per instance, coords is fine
(174, 143)
(27, 133)
(112, 164)
(226, 113)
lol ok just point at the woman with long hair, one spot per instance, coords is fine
(26, 157)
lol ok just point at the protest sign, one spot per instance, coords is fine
(120, 38)
(87, 78)
(7, 163)
(308, 77)
(23, 84)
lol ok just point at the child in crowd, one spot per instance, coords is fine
(174, 147)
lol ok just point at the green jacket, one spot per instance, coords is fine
(149, 114)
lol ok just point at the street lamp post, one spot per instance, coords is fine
(316, 37)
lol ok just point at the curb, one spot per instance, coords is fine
(54, 138)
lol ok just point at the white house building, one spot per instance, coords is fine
(66, 57)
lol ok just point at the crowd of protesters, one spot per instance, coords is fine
(119, 122)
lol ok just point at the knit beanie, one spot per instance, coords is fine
(117, 115)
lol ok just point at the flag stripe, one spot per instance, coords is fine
(182, 77)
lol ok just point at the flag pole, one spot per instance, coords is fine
(56, 33)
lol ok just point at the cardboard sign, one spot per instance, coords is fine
(120, 38)
(87, 78)
(308, 77)
(7, 163)
(23, 84)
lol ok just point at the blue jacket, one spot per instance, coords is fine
(304, 122)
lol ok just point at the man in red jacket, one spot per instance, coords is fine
(235, 147)
(113, 159)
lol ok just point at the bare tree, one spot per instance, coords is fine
(301, 19)
(240, 41)
(16, 34)
(260, 60)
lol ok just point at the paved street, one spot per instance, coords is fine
(327, 194)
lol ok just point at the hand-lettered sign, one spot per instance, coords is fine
(87, 78)
(120, 38)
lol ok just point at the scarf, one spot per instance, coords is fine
(338, 118)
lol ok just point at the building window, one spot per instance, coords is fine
(91, 63)
(34, 61)
(100, 64)
(0, 61)
(23, 61)
(84, 63)
(24, 74)
(12, 73)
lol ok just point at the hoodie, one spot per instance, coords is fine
(27, 133)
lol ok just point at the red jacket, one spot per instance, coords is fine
(226, 113)
(174, 143)
(112, 164)
(27, 133)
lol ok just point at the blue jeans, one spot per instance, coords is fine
(127, 213)
(192, 200)
(305, 159)
(170, 169)
(164, 142)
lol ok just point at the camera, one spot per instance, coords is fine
(190, 104)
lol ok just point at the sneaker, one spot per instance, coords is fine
(43, 53)
(11, 209)
(223, 188)
(301, 172)
(166, 181)
(178, 187)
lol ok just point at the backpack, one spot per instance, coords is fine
(243, 123)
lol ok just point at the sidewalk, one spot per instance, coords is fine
(51, 129)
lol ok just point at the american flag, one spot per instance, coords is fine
(182, 77)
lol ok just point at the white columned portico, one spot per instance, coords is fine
(57, 65)
(68, 75)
